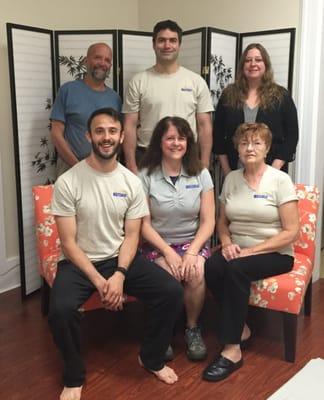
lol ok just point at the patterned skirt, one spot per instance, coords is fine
(180, 248)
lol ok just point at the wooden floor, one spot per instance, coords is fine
(30, 366)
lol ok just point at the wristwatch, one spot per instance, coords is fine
(123, 270)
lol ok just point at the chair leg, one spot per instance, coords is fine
(290, 335)
(308, 300)
(45, 292)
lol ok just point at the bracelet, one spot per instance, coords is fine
(191, 254)
(123, 270)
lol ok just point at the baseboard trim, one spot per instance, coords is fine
(10, 275)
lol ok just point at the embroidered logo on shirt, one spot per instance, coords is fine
(193, 186)
(186, 89)
(117, 194)
(261, 196)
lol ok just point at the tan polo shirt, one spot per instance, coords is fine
(254, 214)
(155, 96)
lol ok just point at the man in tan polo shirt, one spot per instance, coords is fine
(166, 89)
(98, 206)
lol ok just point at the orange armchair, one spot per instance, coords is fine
(49, 249)
(287, 292)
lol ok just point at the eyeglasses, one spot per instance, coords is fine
(256, 144)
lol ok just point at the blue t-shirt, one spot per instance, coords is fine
(74, 104)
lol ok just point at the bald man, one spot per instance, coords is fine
(75, 102)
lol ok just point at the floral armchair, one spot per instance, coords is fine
(49, 249)
(286, 292)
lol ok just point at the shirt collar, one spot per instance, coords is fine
(161, 174)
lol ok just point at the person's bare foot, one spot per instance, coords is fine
(166, 374)
(71, 393)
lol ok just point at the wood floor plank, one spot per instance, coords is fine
(30, 365)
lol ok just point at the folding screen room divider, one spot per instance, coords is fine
(40, 60)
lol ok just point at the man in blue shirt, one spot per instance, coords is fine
(75, 102)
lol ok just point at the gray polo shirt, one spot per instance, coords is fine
(175, 207)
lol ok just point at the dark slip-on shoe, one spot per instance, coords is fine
(220, 369)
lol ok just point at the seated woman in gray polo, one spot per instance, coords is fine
(181, 200)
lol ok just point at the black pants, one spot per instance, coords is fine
(161, 293)
(230, 284)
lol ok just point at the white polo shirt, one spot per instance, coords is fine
(175, 207)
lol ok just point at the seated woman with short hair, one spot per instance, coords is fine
(257, 225)
(181, 199)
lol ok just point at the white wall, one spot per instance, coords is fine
(49, 14)
(310, 99)
(235, 15)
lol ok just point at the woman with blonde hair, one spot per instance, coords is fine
(255, 97)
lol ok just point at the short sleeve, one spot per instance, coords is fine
(226, 187)
(58, 110)
(206, 180)
(204, 101)
(138, 207)
(132, 97)
(145, 179)
(63, 202)
(286, 189)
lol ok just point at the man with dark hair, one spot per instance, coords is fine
(167, 24)
(166, 89)
(98, 206)
(74, 103)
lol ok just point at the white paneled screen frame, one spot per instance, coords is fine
(135, 55)
(280, 46)
(32, 87)
(71, 49)
(31, 61)
(193, 50)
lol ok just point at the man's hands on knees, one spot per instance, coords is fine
(112, 292)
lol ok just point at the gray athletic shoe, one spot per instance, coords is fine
(169, 356)
(196, 349)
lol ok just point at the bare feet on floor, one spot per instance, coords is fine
(166, 374)
(71, 393)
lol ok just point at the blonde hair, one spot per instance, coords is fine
(250, 130)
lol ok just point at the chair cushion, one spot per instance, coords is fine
(284, 292)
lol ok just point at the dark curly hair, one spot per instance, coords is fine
(153, 156)
(167, 24)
